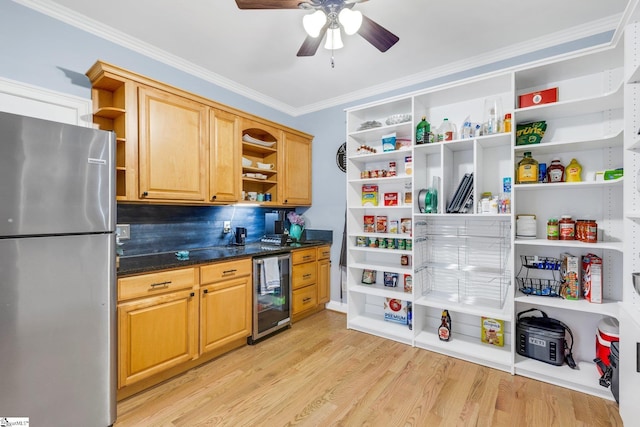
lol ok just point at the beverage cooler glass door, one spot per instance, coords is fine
(271, 300)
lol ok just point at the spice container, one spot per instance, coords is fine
(567, 228)
(507, 122)
(553, 229)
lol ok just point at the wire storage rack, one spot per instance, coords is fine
(539, 275)
(463, 261)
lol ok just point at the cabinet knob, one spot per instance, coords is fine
(145, 194)
(286, 200)
(193, 294)
(206, 291)
(213, 197)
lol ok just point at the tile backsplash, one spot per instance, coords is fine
(162, 228)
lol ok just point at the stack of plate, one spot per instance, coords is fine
(252, 140)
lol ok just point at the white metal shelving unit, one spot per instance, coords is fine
(467, 263)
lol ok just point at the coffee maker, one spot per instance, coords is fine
(240, 236)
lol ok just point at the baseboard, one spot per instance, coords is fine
(337, 306)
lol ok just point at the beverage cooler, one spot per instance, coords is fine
(271, 295)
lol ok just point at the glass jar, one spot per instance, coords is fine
(553, 230)
(567, 228)
(591, 231)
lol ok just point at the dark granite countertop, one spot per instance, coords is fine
(167, 260)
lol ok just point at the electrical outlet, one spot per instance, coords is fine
(123, 231)
(227, 227)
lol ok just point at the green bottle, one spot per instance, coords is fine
(422, 131)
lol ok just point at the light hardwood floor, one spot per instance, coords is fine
(318, 373)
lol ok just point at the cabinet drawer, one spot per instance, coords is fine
(151, 284)
(303, 255)
(304, 299)
(303, 275)
(225, 270)
(324, 252)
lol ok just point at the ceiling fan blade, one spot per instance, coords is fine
(310, 45)
(268, 4)
(377, 35)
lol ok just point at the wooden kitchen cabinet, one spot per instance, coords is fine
(157, 323)
(224, 156)
(304, 283)
(324, 274)
(296, 190)
(225, 304)
(177, 147)
(172, 146)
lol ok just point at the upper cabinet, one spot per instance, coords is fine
(297, 170)
(224, 159)
(177, 147)
(173, 146)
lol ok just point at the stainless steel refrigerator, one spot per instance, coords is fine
(57, 273)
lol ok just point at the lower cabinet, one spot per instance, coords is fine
(225, 303)
(173, 320)
(310, 280)
(157, 323)
(324, 274)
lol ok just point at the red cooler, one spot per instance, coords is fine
(608, 332)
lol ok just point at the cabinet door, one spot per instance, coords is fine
(297, 173)
(224, 158)
(324, 281)
(155, 334)
(225, 313)
(173, 146)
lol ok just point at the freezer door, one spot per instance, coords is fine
(56, 178)
(58, 329)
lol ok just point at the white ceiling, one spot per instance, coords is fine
(253, 52)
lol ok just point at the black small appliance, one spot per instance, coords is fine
(241, 235)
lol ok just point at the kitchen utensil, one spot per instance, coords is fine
(252, 195)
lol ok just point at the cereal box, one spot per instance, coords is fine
(393, 226)
(369, 224)
(570, 276)
(369, 195)
(395, 310)
(492, 331)
(592, 278)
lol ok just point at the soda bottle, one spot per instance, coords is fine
(422, 131)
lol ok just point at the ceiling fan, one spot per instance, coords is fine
(328, 18)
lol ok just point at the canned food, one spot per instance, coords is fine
(391, 243)
(361, 241)
(402, 244)
(382, 243)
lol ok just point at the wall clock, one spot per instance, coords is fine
(341, 157)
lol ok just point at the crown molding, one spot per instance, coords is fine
(77, 20)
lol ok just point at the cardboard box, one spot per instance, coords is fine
(408, 283)
(592, 278)
(395, 310)
(381, 224)
(538, 97)
(570, 277)
(369, 224)
(391, 279)
(492, 331)
(391, 199)
(369, 195)
(389, 142)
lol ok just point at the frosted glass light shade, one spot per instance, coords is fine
(314, 22)
(334, 41)
(351, 20)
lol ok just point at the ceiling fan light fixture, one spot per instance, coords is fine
(314, 22)
(334, 40)
(351, 20)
